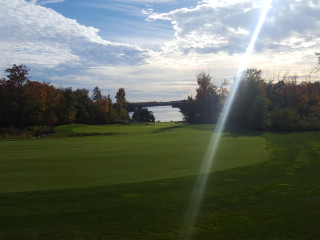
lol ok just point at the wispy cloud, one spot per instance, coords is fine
(44, 2)
(129, 9)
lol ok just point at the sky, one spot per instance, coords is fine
(154, 49)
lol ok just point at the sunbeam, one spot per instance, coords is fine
(200, 185)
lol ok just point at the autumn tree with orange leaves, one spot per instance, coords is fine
(27, 103)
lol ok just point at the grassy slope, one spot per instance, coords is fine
(276, 199)
(144, 153)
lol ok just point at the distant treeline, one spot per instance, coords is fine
(133, 105)
(259, 104)
(25, 103)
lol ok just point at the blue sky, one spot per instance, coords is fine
(119, 20)
(154, 49)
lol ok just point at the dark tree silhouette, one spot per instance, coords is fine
(17, 75)
(96, 94)
(14, 99)
(142, 114)
(205, 108)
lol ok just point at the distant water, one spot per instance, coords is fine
(165, 113)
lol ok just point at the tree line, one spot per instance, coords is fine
(27, 103)
(259, 104)
(134, 105)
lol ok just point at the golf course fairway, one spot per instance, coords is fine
(135, 182)
(129, 154)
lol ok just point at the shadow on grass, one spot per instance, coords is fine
(237, 132)
(84, 134)
(202, 127)
(167, 129)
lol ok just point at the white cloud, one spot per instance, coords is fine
(215, 34)
(226, 26)
(34, 34)
(210, 36)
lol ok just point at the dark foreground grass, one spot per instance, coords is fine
(275, 199)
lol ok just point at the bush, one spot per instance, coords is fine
(36, 131)
(40, 131)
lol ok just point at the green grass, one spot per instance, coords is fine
(146, 152)
(267, 186)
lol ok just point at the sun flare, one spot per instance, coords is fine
(200, 185)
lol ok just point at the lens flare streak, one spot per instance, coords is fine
(200, 185)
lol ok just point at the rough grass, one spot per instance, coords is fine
(275, 199)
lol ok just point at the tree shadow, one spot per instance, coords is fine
(168, 128)
(238, 132)
(202, 127)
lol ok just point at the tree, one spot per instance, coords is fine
(251, 105)
(121, 105)
(101, 109)
(35, 102)
(67, 109)
(142, 114)
(285, 119)
(4, 105)
(207, 99)
(13, 91)
(112, 115)
(188, 109)
(83, 106)
(53, 99)
(17, 75)
(96, 94)
(206, 106)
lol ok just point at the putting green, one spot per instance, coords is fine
(140, 153)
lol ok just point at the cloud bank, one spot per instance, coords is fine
(212, 35)
(34, 34)
(226, 26)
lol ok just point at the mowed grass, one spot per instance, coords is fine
(274, 193)
(139, 153)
